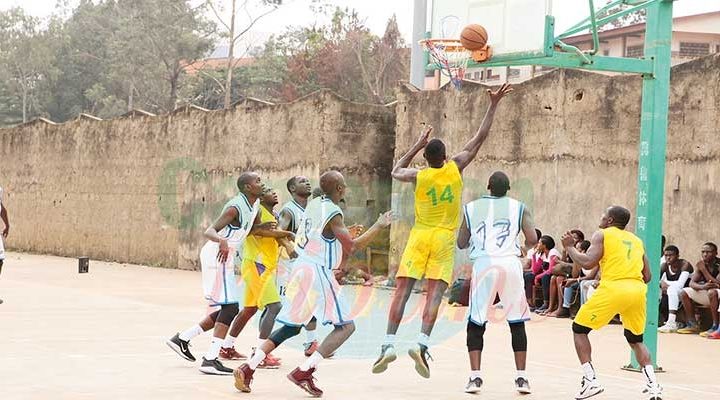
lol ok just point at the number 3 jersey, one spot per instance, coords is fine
(438, 194)
(495, 224)
(310, 243)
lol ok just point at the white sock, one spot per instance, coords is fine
(256, 359)
(311, 336)
(214, 350)
(312, 361)
(671, 317)
(190, 333)
(229, 341)
(588, 371)
(522, 374)
(475, 374)
(649, 372)
(423, 339)
(389, 339)
(260, 342)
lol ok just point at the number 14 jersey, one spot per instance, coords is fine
(438, 194)
(495, 224)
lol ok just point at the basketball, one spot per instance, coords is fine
(474, 37)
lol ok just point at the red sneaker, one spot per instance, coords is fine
(311, 347)
(714, 335)
(269, 363)
(229, 353)
(306, 381)
(243, 377)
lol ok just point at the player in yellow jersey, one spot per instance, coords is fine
(260, 257)
(625, 272)
(430, 248)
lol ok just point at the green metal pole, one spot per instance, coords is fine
(651, 163)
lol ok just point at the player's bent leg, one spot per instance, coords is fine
(642, 355)
(210, 364)
(435, 290)
(589, 386)
(180, 343)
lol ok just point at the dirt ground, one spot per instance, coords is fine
(100, 335)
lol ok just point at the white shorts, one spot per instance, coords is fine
(284, 268)
(313, 291)
(502, 276)
(2, 248)
(219, 283)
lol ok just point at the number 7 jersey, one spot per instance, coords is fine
(495, 224)
(438, 193)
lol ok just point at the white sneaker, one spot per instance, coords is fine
(653, 391)
(589, 388)
(522, 386)
(669, 327)
(473, 385)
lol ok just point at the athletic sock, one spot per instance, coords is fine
(475, 374)
(312, 361)
(256, 359)
(649, 372)
(229, 341)
(522, 374)
(190, 333)
(389, 339)
(214, 350)
(260, 342)
(588, 371)
(423, 339)
(311, 336)
(671, 317)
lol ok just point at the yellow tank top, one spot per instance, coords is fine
(622, 256)
(263, 250)
(438, 197)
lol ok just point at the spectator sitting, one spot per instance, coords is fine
(674, 277)
(549, 256)
(532, 262)
(703, 290)
(568, 286)
(561, 271)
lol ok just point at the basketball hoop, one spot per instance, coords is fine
(452, 58)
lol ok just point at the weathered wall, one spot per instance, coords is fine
(569, 142)
(143, 189)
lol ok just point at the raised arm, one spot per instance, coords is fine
(470, 151)
(350, 245)
(401, 171)
(593, 254)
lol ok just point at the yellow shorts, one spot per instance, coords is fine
(260, 285)
(627, 298)
(429, 252)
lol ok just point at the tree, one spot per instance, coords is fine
(629, 19)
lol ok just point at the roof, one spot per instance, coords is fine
(216, 63)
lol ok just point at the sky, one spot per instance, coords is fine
(376, 12)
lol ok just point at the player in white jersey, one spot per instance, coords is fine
(217, 261)
(323, 243)
(290, 214)
(5, 231)
(491, 227)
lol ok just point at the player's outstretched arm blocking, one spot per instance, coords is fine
(350, 245)
(401, 171)
(470, 151)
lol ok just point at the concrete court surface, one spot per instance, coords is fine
(101, 335)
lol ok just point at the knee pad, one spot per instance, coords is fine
(632, 338)
(519, 337)
(475, 333)
(579, 329)
(283, 334)
(228, 313)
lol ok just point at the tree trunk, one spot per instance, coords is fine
(24, 106)
(172, 101)
(231, 51)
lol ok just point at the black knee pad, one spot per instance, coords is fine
(519, 337)
(475, 333)
(632, 338)
(228, 313)
(283, 334)
(582, 330)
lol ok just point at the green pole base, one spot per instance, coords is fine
(636, 368)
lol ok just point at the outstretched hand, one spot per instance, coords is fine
(567, 240)
(424, 137)
(385, 219)
(356, 230)
(500, 93)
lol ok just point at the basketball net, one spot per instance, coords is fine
(449, 56)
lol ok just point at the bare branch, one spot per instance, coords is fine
(217, 15)
(244, 31)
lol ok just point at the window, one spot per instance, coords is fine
(689, 49)
(476, 75)
(514, 73)
(634, 51)
(606, 52)
(492, 77)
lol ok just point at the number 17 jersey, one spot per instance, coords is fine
(494, 224)
(438, 193)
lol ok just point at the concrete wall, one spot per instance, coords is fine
(569, 141)
(143, 189)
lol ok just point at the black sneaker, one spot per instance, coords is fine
(522, 386)
(420, 355)
(182, 347)
(214, 367)
(473, 385)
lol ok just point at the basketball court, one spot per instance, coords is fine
(101, 335)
